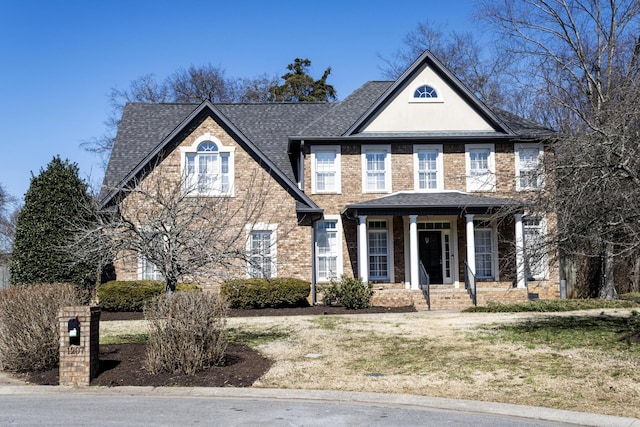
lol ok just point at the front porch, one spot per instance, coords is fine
(420, 248)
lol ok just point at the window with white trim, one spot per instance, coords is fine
(480, 166)
(378, 244)
(376, 167)
(528, 162)
(428, 167)
(483, 234)
(426, 93)
(208, 167)
(328, 250)
(325, 169)
(261, 248)
(148, 270)
(535, 253)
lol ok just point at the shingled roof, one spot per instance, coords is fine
(430, 203)
(146, 125)
(269, 127)
(337, 120)
(142, 127)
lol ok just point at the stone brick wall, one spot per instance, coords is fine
(294, 247)
(454, 161)
(254, 189)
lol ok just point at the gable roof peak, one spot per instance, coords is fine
(428, 59)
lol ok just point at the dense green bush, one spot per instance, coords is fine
(348, 292)
(29, 329)
(552, 306)
(132, 295)
(40, 253)
(263, 293)
(187, 332)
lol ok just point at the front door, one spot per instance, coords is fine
(430, 248)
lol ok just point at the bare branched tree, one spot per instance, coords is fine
(583, 56)
(182, 235)
(481, 71)
(143, 89)
(8, 218)
(191, 85)
(196, 84)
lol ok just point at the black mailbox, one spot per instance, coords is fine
(74, 331)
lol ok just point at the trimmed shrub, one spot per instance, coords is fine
(349, 292)
(132, 295)
(266, 293)
(187, 332)
(29, 330)
(548, 306)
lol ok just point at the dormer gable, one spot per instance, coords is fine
(428, 98)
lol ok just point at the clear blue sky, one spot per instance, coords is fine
(60, 58)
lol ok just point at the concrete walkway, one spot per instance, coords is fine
(528, 415)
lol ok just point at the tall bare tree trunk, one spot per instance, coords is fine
(608, 291)
(635, 277)
(172, 283)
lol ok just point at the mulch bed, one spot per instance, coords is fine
(121, 364)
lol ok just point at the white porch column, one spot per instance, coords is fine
(363, 265)
(521, 277)
(471, 244)
(414, 258)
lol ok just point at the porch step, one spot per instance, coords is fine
(445, 297)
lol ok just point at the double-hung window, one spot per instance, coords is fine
(325, 169)
(378, 243)
(480, 167)
(261, 250)
(208, 168)
(428, 165)
(528, 174)
(484, 247)
(535, 253)
(376, 167)
(148, 270)
(328, 253)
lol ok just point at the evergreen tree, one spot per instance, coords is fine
(299, 86)
(54, 198)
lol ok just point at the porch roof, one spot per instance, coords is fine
(433, 203)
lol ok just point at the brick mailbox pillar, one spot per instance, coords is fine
(79, 344)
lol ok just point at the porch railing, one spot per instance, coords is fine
(425, 284)
(470, 283)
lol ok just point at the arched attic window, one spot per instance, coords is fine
(425, 92)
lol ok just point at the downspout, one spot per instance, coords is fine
(314, 298)
(301, 166)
